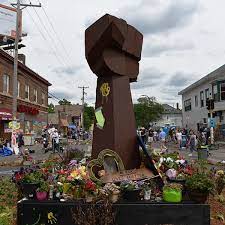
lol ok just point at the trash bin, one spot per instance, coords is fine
(203, 153)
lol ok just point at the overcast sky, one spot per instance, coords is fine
(183, 41)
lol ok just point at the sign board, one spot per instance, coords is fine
(8, 22)
(212, 122)
(135, 174)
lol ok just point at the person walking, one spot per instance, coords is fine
(150, 137)
(55, 138)
(192, 142)
(179, 138)
(162, 138)
(20, 143)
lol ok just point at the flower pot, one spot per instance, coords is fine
(114, 198)
(173, 196)
(132, 195)
(147, 195)
(197, 196)
(41, 196)
(29, 189)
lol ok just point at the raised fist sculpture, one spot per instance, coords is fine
(113, 51)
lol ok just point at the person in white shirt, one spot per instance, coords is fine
(179, 138)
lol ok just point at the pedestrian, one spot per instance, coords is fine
(20, 142)
(192, 142)
(155, 134)
(143, 135)
(150, 137)
(55, 138)
(162, 138)
(179, 138)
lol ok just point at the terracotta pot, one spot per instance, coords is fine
(41, 196)
(197, 196)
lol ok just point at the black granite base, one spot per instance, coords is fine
(60, 213)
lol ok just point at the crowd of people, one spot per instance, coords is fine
(182, 138)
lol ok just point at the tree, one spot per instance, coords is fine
(64, 102)
(51, 108)
(89, 116)
(147, 110)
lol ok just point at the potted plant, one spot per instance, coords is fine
(172, 192)
(131, 190)
(147, 191)
(198, 186)
(29, 183)
(42, 191)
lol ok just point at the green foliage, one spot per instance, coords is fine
(89, 116)
(51, 108)
(33, 177)
(199, 182)
(64, 102)
(8, 200)
(147, 110)
(173, 186)
(44, 187)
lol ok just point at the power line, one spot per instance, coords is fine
(54, 30)
(43, 36)
(52, 39)
(54, 96)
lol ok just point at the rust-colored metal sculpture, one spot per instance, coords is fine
(113, 51)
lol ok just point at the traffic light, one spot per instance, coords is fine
(210, 104)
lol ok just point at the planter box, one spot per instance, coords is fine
(136, 213)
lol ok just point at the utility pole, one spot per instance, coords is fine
(82, 114)
(18, 6)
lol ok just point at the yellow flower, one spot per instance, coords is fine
(74, 174)
(220, 173)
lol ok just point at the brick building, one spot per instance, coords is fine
(32, 97)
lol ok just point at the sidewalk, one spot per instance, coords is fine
(216, 156)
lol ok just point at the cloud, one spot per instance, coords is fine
(158, 47)
(69, 70)
(163, 17)
(149, 77)
(180, 79)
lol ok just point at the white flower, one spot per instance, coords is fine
(169, 160)
(161, 160)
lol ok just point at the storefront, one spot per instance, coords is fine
(5, 118)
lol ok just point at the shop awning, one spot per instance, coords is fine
(64, 123)
(5, 114)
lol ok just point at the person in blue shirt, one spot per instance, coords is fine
(162, 138)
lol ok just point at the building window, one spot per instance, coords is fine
(202, 98)
(18, 89)
(196, 101)
(42, 98)
(35, 95)
(222, 91)
(215, 92)
(206, 94)
(204, 120)
(187, 105)
(27, 92)
(5, 83)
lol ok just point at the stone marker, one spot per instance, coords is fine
(113, 51)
